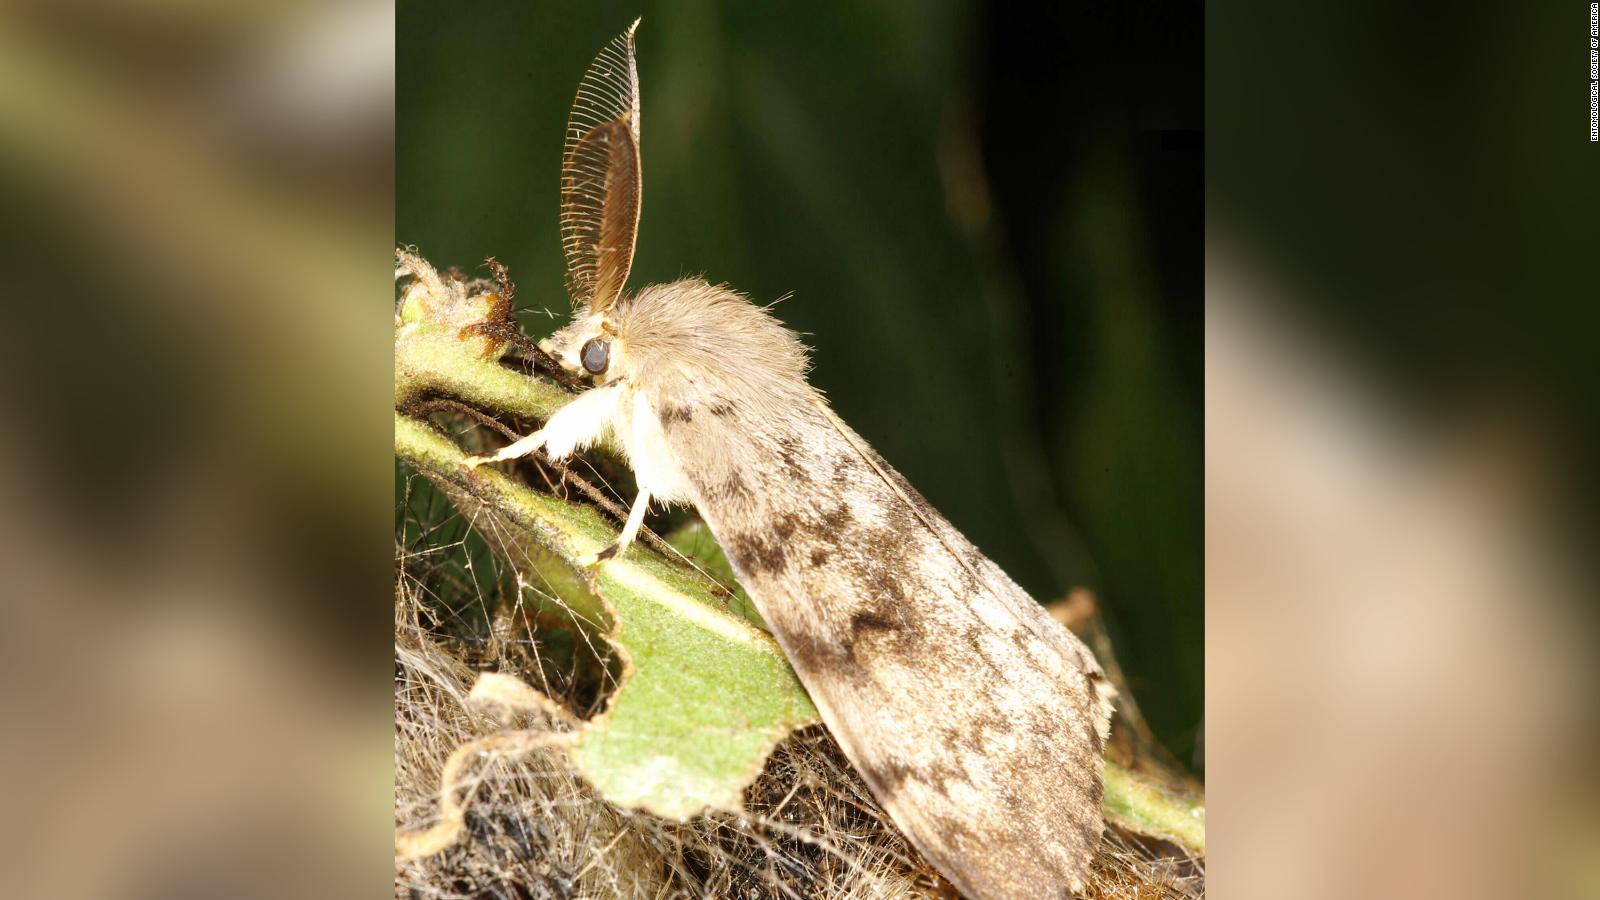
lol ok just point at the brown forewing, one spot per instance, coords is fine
(976, 719)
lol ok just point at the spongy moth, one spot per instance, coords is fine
(976, 720)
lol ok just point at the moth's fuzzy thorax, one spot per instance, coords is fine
(690, 328)
(694, 341)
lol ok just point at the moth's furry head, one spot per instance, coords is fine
(674, 334)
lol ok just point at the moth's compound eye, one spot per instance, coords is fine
(596, 355)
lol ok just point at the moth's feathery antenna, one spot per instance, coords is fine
(601, 184)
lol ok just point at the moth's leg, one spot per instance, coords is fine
(581, 422)
(575, 425)
(630, 530)
(514, 450)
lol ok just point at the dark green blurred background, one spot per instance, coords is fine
(989, 220)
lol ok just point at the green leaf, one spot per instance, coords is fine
(704, 698)
(704, 694)
(696, 542)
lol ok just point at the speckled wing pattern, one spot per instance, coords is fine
(976, 720)
(601, 184)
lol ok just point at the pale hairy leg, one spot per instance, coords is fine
(630, 530)
(571, 427)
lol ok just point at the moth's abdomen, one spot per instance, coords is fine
(976, 720)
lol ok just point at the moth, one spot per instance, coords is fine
(975, 719)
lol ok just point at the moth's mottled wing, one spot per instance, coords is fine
(977, 720)
(600, 178)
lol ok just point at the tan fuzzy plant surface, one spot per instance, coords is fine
(633, 731)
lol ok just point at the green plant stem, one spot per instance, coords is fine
(1145, 806)
(432, 359)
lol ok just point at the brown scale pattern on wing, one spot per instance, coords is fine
(986, 759)
(672, 414)
(765, 550)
